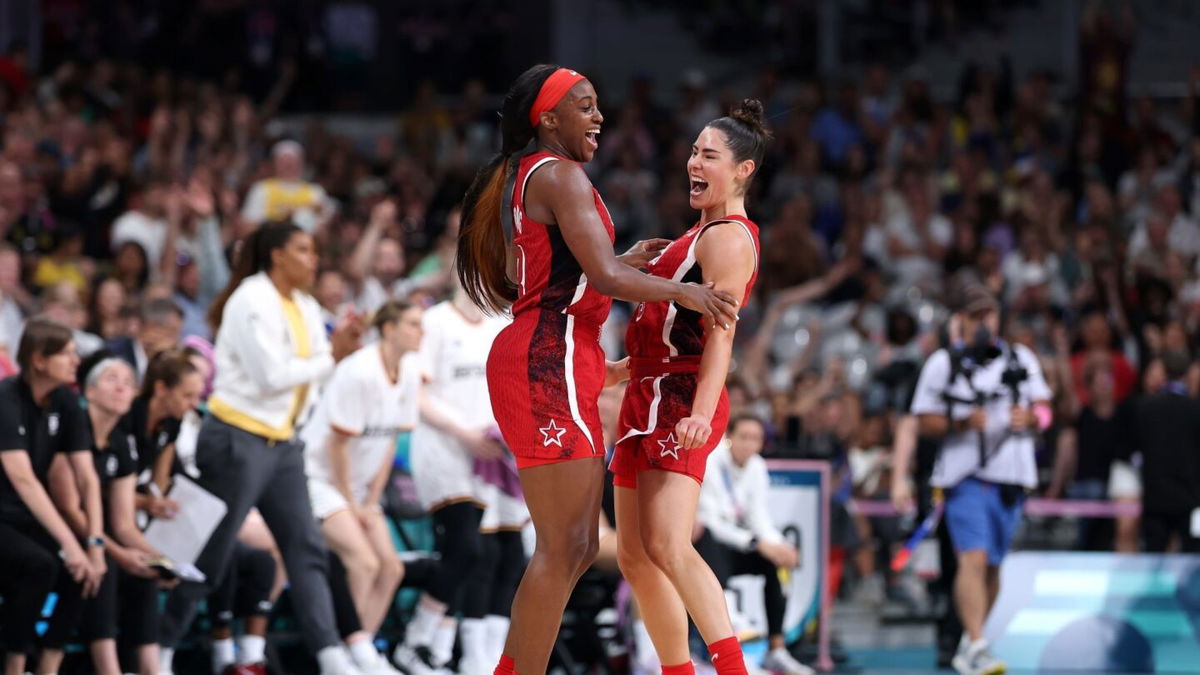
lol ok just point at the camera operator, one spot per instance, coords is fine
(985, 399)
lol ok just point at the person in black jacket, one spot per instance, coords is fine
(1167, 433)
(41, 417)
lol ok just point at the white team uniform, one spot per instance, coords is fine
(454, 352)
(361, 401)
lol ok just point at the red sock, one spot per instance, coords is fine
(726, 655)
(507, 666)
(685, 668)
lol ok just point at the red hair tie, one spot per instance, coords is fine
(553, 89)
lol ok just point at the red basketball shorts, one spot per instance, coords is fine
(653, 405)
(545, 373)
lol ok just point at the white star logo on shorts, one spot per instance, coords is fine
(552, 435)
(673, 451)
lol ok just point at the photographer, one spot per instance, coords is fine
(985, 399)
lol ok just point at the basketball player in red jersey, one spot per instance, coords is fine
(537, 235)
(675, 408)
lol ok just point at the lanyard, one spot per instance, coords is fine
(727, 481)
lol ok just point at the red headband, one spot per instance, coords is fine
(553, 89)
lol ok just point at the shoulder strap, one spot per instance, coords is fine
(508, 215)
(745, 228)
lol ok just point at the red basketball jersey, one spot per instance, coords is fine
(664, 330)
(548, 275)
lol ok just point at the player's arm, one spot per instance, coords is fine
(337, 446)
(375, 491)
(20, 473)
(476, 441)
(568, 192)
(65, 494)
(727, 256)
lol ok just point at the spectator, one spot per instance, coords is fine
(1167, 432)
(61, 303)
(159, 326)
(105, 314)
(287, 194)
(1097, 346)
(146, 225)
(987, 458)
(376, 268)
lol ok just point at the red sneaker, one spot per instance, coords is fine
(246, 669)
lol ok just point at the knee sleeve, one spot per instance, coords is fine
(458, 541)
(510, 567)
(255, 579)
(479, 589)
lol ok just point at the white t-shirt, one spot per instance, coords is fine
(150, 233)
(361, 401)
(454, 353)
(733, 500)
(1013, 462)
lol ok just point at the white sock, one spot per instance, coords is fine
(166, 658)
(442, 645)
(252, 649)
(475, 645)
(222, 655)
(334, 659)
(497, 632)
(423, 625)
(363, 651)
(643, 646)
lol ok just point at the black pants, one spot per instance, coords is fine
(726, 561)
(246, 589)
(29, 570)
(491, 591)
(460, 544)
(1157, 529)
(126, 601)
(244, 471)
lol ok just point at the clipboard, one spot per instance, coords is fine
(183, 537)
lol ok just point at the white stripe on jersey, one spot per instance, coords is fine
(572, 396)
(652, 418)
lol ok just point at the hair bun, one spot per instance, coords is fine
(750, 113)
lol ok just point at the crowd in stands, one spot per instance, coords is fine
(124, 194)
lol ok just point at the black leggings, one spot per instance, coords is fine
(1157, 529)
(29, 570)
(126, 601)
(246, 589)
(491, 591)
(726, 561)
(458, 541)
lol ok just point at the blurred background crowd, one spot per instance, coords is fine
(141, 140)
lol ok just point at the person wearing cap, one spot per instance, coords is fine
(986, 399)
(287, 194)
